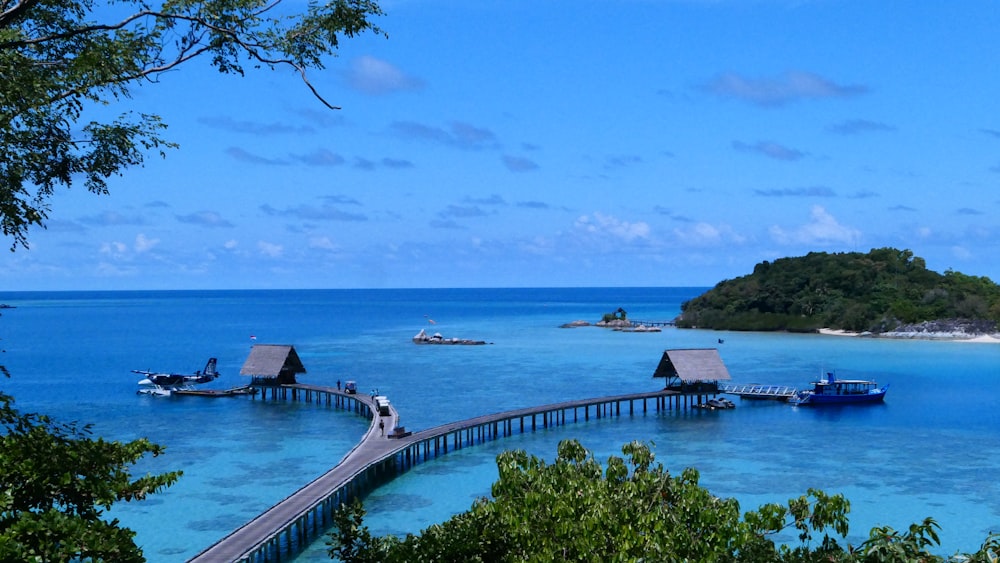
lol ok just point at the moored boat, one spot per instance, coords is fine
(834, 391)
(717, 403)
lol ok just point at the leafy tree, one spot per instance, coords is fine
(55, 482)
(61, 59)
(631, 509)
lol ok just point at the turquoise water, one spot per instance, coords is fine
(931, 450)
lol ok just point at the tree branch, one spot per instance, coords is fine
(251, 49)
(15, 11)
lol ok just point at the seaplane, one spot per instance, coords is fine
(163, 384)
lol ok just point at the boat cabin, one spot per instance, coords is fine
(697, 370)
(272, 365)
(833, 386)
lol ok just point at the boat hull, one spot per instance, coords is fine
(871, 397)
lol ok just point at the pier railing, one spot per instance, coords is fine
(758, 391)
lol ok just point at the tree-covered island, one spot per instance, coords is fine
(881, 291)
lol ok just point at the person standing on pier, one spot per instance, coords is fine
(381, 427)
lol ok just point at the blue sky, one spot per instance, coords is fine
(560, 143)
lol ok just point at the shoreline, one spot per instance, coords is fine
(934, 336)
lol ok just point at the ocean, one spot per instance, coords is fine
(933, 448)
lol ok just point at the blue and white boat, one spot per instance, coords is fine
(833, 391)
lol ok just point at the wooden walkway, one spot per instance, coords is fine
(380, 455)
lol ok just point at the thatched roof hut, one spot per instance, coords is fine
(692, 366)
(272, 364)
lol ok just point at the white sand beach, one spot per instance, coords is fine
(833, 332)
(984, 339)
(949, 337)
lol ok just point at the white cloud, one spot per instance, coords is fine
(539, 246)
(961, 252)
(270, 249)
(780, 90)
(375, 76)
(144, 244)
(705, 234)
(115, 249)
(323, 243)
(823, 228)
(606, 225)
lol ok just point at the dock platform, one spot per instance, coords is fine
(232, 392)
(758, 391)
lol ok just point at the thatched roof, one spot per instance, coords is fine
(702, 364)
(272, 360)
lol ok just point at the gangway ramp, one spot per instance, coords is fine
(758, 391)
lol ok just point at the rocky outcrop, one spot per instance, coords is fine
(436, 338)
(574, 324)
(943, 329)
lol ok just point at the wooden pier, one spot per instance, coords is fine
(387, 450)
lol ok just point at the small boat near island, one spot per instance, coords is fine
(717, 403)
(834, 391)
(423, 338)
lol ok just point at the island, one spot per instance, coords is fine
(619, 321)
(885, 292)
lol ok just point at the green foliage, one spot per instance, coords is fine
(58, 65)
(629, 509)
(619, 315)
(55, 483)
(852, 291)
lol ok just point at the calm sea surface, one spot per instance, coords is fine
(932, 450)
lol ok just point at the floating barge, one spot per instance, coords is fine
(215, 393)
(756, 391)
